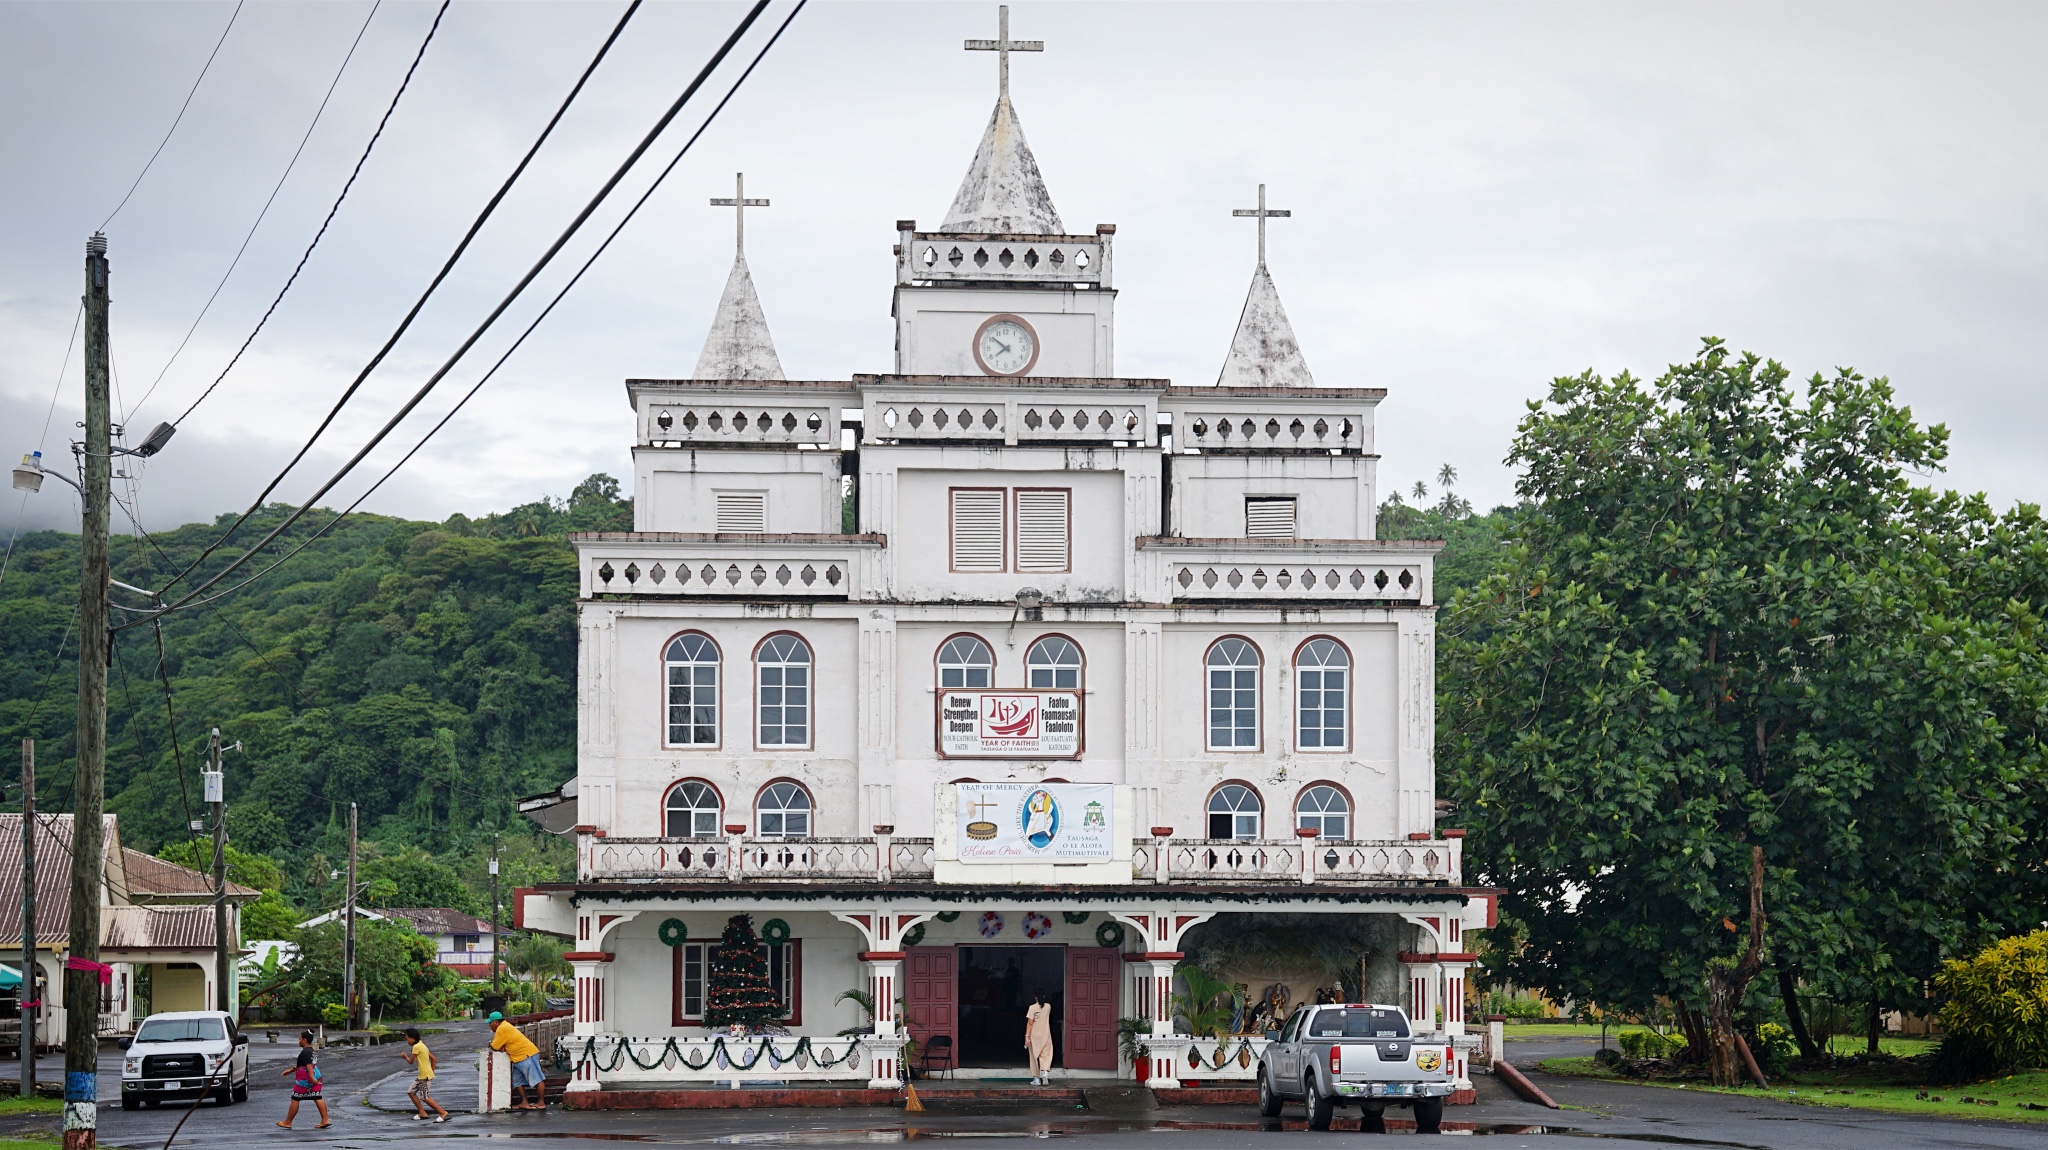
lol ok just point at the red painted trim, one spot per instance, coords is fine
(587, 956)
(1418, 836)
(735, 828)
(718, 723)
(883, 955)
(1305, 833)
(1163, 955)
(1162, 832)
(715, 793)
(1444, 956)
(1455, 833)
(519, 894)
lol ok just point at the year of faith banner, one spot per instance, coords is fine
(1010, 724)
(1034, 822)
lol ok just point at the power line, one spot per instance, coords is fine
(475, 226)
(393, 470)
(278, 187)
(532, 273)
(55, 391)
(180, 118)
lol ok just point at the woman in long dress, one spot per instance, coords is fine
(1038, 1038)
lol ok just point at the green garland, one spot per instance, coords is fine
(719, 1052)
(1074, 917)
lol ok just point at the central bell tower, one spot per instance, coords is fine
(1000, 289)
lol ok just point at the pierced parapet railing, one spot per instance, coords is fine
(1211, 430)
(1298, 860)
(736, 423)
(906, 419)
(951, 257)
(771, 576)
(621, 1059)
(754, 859)
(1290, 580)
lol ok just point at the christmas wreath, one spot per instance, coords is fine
(991, 924)
(948, 916)
(672, 932)
(1074, 917)
(914, 935)
(1036, 925)
(1109, 934)
(775, 932)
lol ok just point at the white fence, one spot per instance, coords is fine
(719, 1058)
(758, 859)
(1298, 860)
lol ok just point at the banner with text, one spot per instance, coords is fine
(1034, 822)
(1010, 724)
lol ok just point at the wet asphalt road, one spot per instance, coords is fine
(1600, 1114)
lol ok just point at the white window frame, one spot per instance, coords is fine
(775, 800)
(781, 690)
(693, 979)
(966, 669)
(699, 691)
(695, 808)
(1319, 817)
(1246, 822)
(1312, 693)
(1229, 688)
(1049, 673)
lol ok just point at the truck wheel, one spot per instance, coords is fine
(1320, 1106)
(131, 1104)
(1373, 1121)
(1270, 1101)
(1429, 1115)
(241, 1091)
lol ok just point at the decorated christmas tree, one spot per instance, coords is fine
(739, 993)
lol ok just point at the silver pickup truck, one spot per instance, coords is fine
(1362, 1053)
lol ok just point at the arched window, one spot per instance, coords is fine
(965, 662)
(782, 699)
(1324, 810)
(1322, 674)
(693, 810)
(1233, 695)
(1054, 664)
(692, 662)
(1234, 812)
(783, 812)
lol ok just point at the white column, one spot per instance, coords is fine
(883, 971)
(588, 969)
(1166, 1050)
(1423, 990)
(1453, 992)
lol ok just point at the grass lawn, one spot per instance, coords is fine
(1562, 1029)
(1870, 1088)
(31, 1106)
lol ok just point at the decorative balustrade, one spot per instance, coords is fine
(735, 422)
(755, 859)
(1265, 430)
(1075, 418)
(618, 1059)
(1298, 860)
(699, 564)
(950, 257)
(1303, 580)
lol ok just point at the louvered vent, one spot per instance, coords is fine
(978, 529)
(742, 512)
(1269, 518)
(1042, 530)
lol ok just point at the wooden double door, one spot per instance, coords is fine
(974, 996)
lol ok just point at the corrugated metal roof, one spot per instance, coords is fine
(157, 928)
(151, 877)
(128, 875)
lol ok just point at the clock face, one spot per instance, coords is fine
(1006, 345)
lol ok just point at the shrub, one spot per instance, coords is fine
(333, 1015)
(1996, 1008)
(1647, 1044)
(1774, 1049)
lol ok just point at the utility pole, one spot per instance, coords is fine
(27, 993)
(216, 794)
(494, 918)
(348, 927)
(82, 971)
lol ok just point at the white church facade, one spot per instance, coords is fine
(993, 675)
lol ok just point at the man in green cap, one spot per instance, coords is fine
(525, 1058)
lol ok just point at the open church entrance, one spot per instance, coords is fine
(977, 995)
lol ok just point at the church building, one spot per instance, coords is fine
(997, 675)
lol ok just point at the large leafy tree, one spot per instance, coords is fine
(1704, 678)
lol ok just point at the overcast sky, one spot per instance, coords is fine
(1484, 197)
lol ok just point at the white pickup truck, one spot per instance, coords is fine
(184, 1055)
(1362, 1053)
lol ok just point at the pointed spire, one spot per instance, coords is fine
(1264, 352)
(1003, 191)
(739, 346)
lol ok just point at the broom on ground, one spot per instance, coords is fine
(910, 1103)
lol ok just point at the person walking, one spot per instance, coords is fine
(305, 1076)
(1038, 1038)
(422, 1092)
(525, 1057)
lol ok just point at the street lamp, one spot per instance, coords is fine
(29, 473)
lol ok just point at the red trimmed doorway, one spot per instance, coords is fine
(976, 995)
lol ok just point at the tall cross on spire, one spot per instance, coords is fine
(739, 203)
(1002, 46)
(1263, 213)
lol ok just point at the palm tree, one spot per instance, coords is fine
(1421, 490)
(539, 959)
(1446, 475)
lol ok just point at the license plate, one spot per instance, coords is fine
(172, 1086)
(1398, 1088)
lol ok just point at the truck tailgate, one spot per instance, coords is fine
(1393, 1061)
